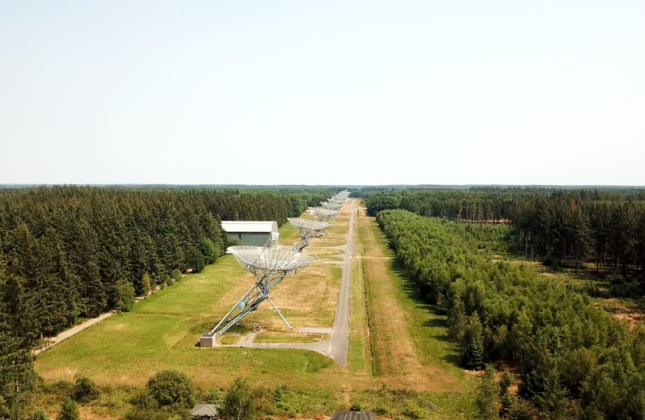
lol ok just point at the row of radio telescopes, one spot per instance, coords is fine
(270, 264)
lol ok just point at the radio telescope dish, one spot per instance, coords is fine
(332, 206)
(323, 214)
(308, 228)
(269, 266)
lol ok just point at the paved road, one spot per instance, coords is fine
(336, 347)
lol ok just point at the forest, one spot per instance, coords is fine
(604, 228)
(574, 360)
(69, 253)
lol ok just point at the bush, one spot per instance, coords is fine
(126, 295)
(39, 415)
(146, 414)
(146, 285)
(85, 390)
(195, 260)
(235, 242)
(176, 274)
(207, 248)
(69, 411)
(239, 402)
(171, 388)
(169, 281)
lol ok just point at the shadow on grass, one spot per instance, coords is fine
(436, 327)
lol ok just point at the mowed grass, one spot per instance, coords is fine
(162, 333)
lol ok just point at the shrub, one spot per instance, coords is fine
(171, 388)
(146, 414)
(39, 415)
(126, 295)
(234, 242)
(85, 390)
(69, 411)
(239, 402)
(176, 274)
(207, 248)
(195, 260)
(146, 284)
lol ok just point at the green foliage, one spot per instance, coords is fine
(239, 403)
(72, 245)
(146, 284)
(176, 275)
(18, 336)
(208, 250)
(574, 357)
(472, 346)
(195, 260)
(171, 388)
(69, 411)
(456, 320)
(126, 295)
(39, 415)
(85, 390)
(488, 403)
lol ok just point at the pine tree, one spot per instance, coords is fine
(473, 344)
(456, 319)
(18, 336)
(488, 403)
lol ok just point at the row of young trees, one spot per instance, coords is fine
(576, 361)
(603, 227)
(72, 252)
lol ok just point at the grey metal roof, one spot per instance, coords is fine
(209, 410)
(249, 226)
(352, 415)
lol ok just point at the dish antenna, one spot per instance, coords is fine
(332, 206)
(269, 266)
(323, 214)
(308, 228)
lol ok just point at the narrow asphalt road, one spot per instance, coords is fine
(336, 347)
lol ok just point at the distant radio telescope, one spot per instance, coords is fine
(308, 229)
(323, 214)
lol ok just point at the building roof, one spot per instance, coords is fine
(201, 410)
(246, 226)
(352, 415)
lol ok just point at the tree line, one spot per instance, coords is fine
(605, 228)
(575, 360)
(72, 252)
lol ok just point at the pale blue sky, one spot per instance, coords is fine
(322, 92)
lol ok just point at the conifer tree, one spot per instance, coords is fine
(488, 403)
(456, 320)
(473, 344)
(17, 337)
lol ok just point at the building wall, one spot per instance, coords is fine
(252, 239)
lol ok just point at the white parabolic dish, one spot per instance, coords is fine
(309, 225)
(277, 261)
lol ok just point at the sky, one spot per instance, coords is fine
(322, 92)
